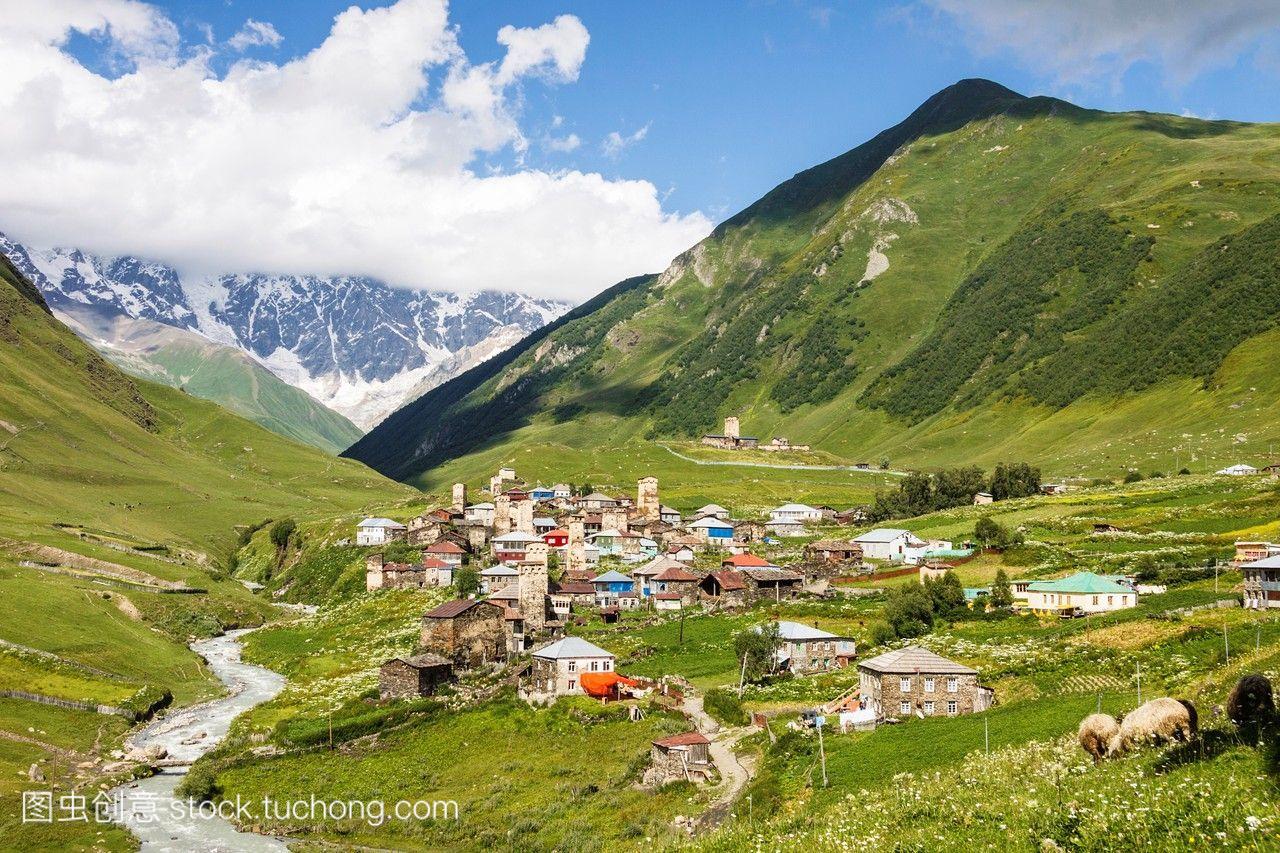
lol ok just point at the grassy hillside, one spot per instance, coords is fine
(997, 277)
(226, 376)
(121, 503)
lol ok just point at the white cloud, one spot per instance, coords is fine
(1088, 40)
(615, 143)
(359, 157)
(255, 34)
(563, 143)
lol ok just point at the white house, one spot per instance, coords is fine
(1239, 470)
(795, 512)
(669, 515)
(918, 552)
(380, 531)
(497, 577)
(886, 543)
(562, 490)
(558, 668)
(1083, 592)
(481, 513)
(715, 531)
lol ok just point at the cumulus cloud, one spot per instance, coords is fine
(615, 143)
(255, 34)
(1088, 40)
(359, 157)
(563, 143)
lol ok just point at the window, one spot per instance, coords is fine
(904, 708)
(606, 665)
(572, 684)
(952, 708)
(953, 685)
(928, 685)
(1095, 601)
(904, 684)
(1111, 599)
(573, 666)
(594, 666)
(928, 708)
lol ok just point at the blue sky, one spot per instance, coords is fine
(738, 96)
(551, 147)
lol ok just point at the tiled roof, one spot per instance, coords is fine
(444, 546)
(575, 588)
(914, 659)
(668, 596)
(742, 561)
(771, 574)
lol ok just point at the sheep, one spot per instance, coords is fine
(1158, 721)
(1096, 733)
(1250, 702)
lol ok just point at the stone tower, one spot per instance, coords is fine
(613, 518)
(501, 515)
(522, 516)
(731, 427)
(495, 486)
(533, 587)
(647, 498)
(576, 549)
(373, 572)
(459, 497)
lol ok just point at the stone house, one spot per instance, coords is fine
(568, 596)
(446, 551)
(685, 757)
(425, 529)
(725, 588)
(667, 601)
(468, 632)
(911, 681)
(427, 574)
(771, 583)
(408, 678)
(834, 551)
(679, 581)
(557, 669)
(806, 649)
(497, 577)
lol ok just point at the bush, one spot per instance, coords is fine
(1133, 477)
(281, 531)
(1182, 472)
(725, 707)
(759, 646)
(882, 633)
(200, 783)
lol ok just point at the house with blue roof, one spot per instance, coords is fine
(713, 530)
(609, 585)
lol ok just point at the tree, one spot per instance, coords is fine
(1014, 480)
(1001, 591)
(909, 610)
(957, 486)
(760, 646)
(281, 531)
(946, 594)
(989, 532)
(467, 580)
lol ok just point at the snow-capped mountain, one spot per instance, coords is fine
(357, 345)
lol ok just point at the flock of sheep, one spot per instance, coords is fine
(1167, 720)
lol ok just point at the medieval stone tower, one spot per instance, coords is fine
(731, 427)
(613, 518)
(576, 550)
(459, 497)
(522, 516)
(495, 485)
(533, 587)
(501, 515)
(647, 498)
(373, 572)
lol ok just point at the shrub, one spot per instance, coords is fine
(758, 645)
(882, 633)
(725, 707)
(200, 783)
(281, 531)
(1133, 477)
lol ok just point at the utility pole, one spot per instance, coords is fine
(682, 623)
(1226, 645)
(822, 752)
(743, 676)
(986, 734)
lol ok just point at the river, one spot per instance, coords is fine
(150, 810)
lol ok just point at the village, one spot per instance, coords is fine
(529, 564)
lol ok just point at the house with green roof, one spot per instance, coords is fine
(1079, 595)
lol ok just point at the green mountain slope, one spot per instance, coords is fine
(207, 370)
(996, 277)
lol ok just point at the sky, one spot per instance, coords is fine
(551, 147)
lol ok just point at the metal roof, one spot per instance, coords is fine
(381, 522)
(914, 659)
(1086, 582)
(882, 534)
(797, 632)
(571, 647)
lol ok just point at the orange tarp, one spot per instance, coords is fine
(603, 684)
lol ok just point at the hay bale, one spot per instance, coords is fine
(1251, 702)
(1159, 721)
(1096, 733)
